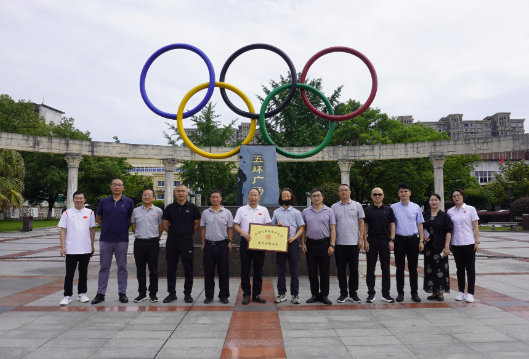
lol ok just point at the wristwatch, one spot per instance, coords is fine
(392, 239)
(332, 245)
(229, 240)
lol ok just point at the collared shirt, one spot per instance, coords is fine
(318, 223)
(463, 233)
(78, 224)
(246, 215)
(406, 218)
(347, 216)
(216, 224)
(289, 217)
(147, 221)
(116, 215)
(181, 223)
(378, 220)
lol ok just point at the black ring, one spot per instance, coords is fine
(241, 51)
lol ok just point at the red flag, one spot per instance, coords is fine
(502, 159)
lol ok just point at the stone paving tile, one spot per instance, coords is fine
(363, 332)
(440, 349)
(14, 353)
(417, 338)
(125, 352)
(416, 330)
(88, 333)
(184, 353)
(148, 334)
(144, 343)
(317, 352)
(21, 343)
(195, 342)
(499, 347)
(483, 337)
(481, 329)
(455, 356)
(199, 334)
(311, 342)
(77, 343)
(66, 353)
(31, 334)
(374, 340)
(503, 321)
(367, 351)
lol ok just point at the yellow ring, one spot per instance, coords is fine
(192, 147)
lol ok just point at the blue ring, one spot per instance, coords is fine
(148, 64)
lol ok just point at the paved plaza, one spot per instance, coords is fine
(32, 325)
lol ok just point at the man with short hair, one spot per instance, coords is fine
(77, 245)
(408, 240)
(380, 228)
(217, 234)
(349, 216)
(251, 213)
(181, 220)
(319, 246)
(147, 227)
(113, 215)
(287, 215)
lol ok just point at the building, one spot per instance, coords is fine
(239, 134)
(50, 114)
(156, 170)
(490, 164)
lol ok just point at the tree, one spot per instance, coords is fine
(12, 172)
(208, 175)
(134, 185)
(516, 172)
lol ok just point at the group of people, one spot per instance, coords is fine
(344, 229)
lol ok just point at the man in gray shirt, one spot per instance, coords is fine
(217, 233)
(147, 227)
(319, 245)
(349, 215)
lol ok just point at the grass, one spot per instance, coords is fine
(498, 228)
(16, 226)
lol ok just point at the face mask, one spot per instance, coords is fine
(287, 203)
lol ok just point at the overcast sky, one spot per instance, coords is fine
(433, 58)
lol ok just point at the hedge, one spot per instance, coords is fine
(486, 217)
(520, 206)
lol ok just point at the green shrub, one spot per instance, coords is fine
(158, 203)
(519, 207)
(330, 193)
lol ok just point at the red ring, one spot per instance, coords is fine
(354, 114)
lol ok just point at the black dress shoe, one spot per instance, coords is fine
(258, 299)
(312, 299)
(224, 300)
(440, 298)
(325, 300)
(433, 297)
(98, 298)
(123, 298)
(415, 298)
(208, 300)
(400, 297)
(246, 300)
(170, 298)
(188, 298)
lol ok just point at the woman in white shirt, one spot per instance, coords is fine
(465, 243)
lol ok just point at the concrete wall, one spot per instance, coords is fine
(25, 211)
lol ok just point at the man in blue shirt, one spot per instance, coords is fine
(408, 240)
(113, 215)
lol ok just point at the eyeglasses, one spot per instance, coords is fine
(343, 190)
(377, 194)
(147, 195)
(316, 195)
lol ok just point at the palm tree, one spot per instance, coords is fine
(12, 173)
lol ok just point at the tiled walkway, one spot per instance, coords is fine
(32, 325)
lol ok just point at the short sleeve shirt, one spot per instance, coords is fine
(181, 223)
(318, 223)
(406, 218)
(78, 224)
(463, 233)
(147, 221)
(347, 216)
(216, 224)
(246, 215)
(115, 224)
(289, 217)
(378, 220)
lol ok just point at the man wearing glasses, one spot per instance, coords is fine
(319, 245)
(113, 215)
(147, 227)
(380, 229)
(408, 240)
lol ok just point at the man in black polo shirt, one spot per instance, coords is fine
(380, 227)
(180, 220)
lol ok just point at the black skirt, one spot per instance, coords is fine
(436, 276)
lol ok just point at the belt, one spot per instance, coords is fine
(319, 240)
(216, 242)
(147, 239)
(406, 237)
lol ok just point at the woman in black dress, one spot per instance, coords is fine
(438, 232)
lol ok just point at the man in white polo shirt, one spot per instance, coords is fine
(77, 245)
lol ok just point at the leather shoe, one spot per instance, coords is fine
(400, 297)
(415, 298)
(440, 298)
(98, 298)
(433, 297)
(170, 298)
(325, 300)
(246, 300)
(312, 299)
(224, 300)
(188, 298)
(258, 299)
(123, 298)
(208, 300)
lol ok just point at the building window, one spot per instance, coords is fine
(161, 183)
(176, 183)
(161, 196)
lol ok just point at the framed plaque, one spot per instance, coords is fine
(268, 237)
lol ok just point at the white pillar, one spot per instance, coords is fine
(438, 162)
(73, 160)
(198, 194)
(345, 167)
(169, 165)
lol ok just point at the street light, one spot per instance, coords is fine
(509, 186)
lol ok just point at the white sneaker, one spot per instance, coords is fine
(461, 296)
(83, 298)
(469, 298)
(65, 301)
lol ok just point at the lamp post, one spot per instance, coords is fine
(509, 186)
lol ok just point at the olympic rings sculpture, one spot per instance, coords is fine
(180, 115)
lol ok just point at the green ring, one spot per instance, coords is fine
(267, 138)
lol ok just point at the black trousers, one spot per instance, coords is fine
(465, 259)
(258, 258)
(216, 256)
(281, 260)
(171, 256)
(146, 254)
(347, 256)
(71, 264)
(378, 249)
(407, 247)
(318, 258)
